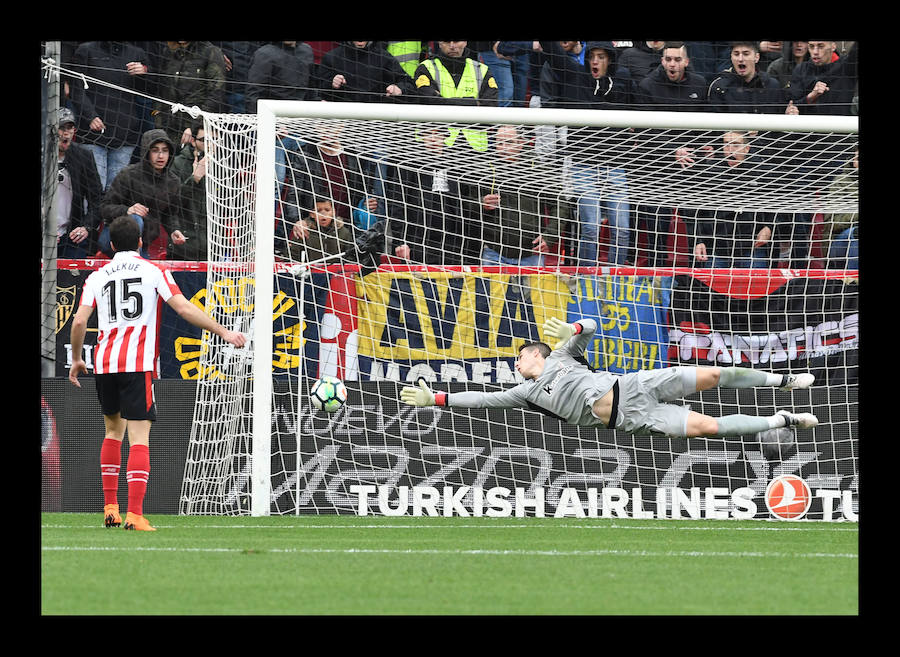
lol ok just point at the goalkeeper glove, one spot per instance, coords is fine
(559, 330)
(420, 396)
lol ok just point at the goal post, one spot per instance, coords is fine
(380, 317)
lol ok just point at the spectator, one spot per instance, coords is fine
(512, 221)
(320, 234)
(709, 58)
(508, 66)
(548, 93)
(190, 167)
(282, 70)
(238, 55)
(361, 71)
(598, 178)
(407, 53)
(769, 51)
(109, 117)
(78, 193)
(793, 54)
(745, 88)
(450, 77)
(427, 205)
(732, 239)
(148, 191)
(193, 74)
(347, 179)
(641, 59)
(823, 84)
(520, 54)
(671, 86)
(842, 229)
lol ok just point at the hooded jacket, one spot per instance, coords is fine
(160, 191)
(574, 87)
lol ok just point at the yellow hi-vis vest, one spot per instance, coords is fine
(407, 53)
(468, 87)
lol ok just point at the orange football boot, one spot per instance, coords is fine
(111, 517)
(140, 523)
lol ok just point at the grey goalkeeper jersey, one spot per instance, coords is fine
(565, 389)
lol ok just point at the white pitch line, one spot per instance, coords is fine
(674, 525)
(480, 552)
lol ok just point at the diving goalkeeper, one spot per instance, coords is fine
(560, 384)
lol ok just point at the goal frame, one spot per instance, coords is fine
(269, 110)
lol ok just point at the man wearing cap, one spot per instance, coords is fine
(76, 202)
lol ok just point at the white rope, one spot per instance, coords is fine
(51, 65)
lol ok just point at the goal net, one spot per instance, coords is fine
(386, 244)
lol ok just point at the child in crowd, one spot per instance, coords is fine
(320, 234)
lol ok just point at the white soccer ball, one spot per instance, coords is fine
(328, 394)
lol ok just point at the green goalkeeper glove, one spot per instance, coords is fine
(559, 330)
(421, 396)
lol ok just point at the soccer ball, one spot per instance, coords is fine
(328, 394)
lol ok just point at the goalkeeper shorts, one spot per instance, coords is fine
(643, 396)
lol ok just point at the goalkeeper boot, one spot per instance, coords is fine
(111, 517)
(797, 381)
(799, 420)
(140, 523)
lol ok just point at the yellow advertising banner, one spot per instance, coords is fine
(436, 315)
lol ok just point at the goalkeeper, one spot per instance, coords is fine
(560, 384)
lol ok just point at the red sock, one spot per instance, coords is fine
(110, 461)
(137, 475)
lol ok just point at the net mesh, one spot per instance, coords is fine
(393, 280)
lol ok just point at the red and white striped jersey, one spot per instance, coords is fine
(126, 294)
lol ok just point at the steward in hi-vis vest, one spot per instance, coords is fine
(408, 53)
(450, 77)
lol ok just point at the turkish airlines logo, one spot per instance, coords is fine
(788, 497)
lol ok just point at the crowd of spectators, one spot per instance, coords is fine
(149, 162)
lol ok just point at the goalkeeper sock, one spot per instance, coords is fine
(137, 474)
(737, 425)
(110, 462)
(744, 377)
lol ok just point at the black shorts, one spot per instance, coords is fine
(127, 393)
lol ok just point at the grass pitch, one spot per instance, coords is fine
(462, 566)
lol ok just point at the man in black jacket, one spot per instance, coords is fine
(671, 84)
(674, 88)
(824, 84)
(193, 74)
(598, 168)
(78, 192)
(109, 121)
(361, 71)
(282, 70)
(745, 88)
